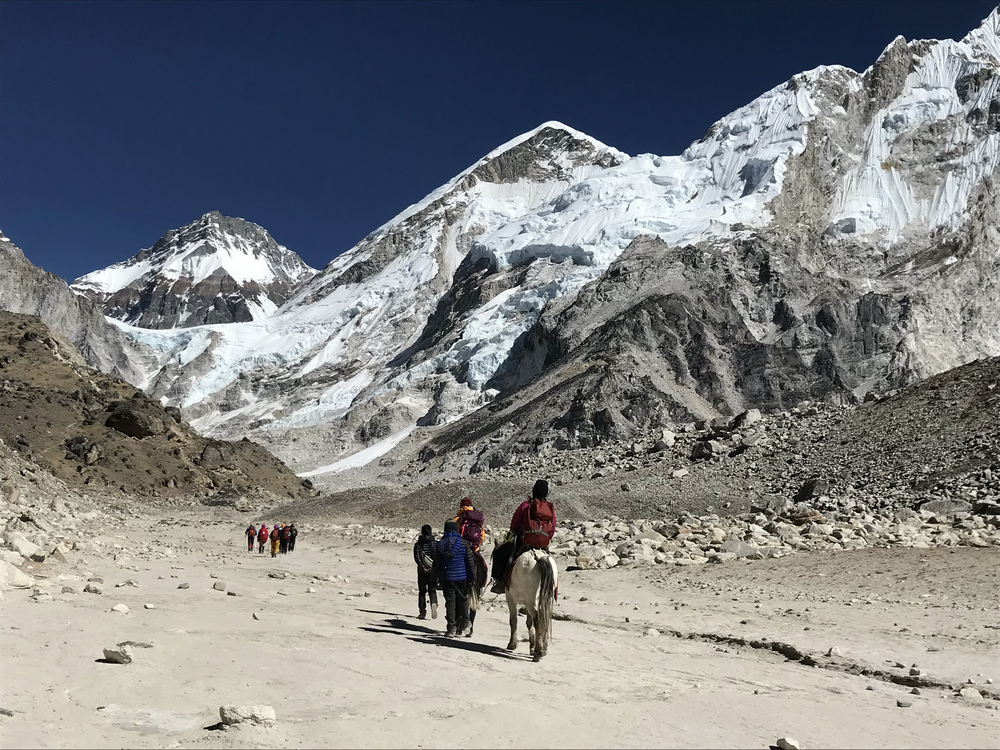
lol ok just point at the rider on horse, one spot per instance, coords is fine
(532, 526)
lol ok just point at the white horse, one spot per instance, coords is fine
(533, 582)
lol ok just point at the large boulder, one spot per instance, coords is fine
(134, 421)
(13, 578)
(20, 544)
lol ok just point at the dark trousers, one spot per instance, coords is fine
(250, 541)
(260, 546)
(427, 585)
(291, 544)
(501, 559)
(456, 604)
(283, 546)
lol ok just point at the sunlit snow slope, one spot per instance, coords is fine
(423, 321)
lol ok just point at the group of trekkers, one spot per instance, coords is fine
(455, 563)
(282, 538)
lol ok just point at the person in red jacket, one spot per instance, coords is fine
(262, 539)
(527, 533)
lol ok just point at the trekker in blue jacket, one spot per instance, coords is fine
(456, 567)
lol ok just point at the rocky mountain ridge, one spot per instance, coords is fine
(216, 269)
(835, 236)
(91, 430)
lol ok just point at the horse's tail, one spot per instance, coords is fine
(546, 595)
(473, 598)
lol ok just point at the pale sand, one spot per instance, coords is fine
(364, 671)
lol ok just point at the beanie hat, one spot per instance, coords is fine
(540, 490)
(425, 530)
(450, 526)
(465, 501)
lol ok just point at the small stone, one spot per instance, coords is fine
(971, 694)
(119, 654)
(256, 616)
(123, 609)
(263, 715)
(833, 651)
(93, 588)
(183, 585)
(310, 590)
(651, 632)
(231, 593)
(787, 743)
(915, 691)
(68, 590)
(6, 712)
(149, 606)
(219, 586)
(915, 672)
(903, 704)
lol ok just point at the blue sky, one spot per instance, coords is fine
(322, 120)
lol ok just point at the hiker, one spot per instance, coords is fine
(286, 535)
(532, 526)
(275, 540)
(470, 523)
(262, 539)
(456, 568)
(424, 554)
(251, 537)
(292, 533)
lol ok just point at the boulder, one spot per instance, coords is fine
(787, 743)
(747, 418)
(131, 420)
(261, 715)
(20, 544)
(987, 508)
(812, 488)
(740, 548)
(219, 586)
(121, 654)
(945, 507)
(120, 608)
(13, 578)
(94, 588)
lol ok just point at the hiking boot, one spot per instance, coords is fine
(467, 631)
(434, 611)
(498, 588)
(450, 633)
(422, 616)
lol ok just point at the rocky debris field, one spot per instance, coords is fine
(895, 649)
(96, 431)
(932, 445)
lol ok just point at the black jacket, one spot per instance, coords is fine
(424, 551)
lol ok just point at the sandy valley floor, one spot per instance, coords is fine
(350, 665)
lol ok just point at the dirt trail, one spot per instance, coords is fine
(343, 669)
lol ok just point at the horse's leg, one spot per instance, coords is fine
(512, 606)
(531, 630)
(472, 622)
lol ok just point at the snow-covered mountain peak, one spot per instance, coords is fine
(217, 269)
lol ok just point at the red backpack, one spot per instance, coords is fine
(472, 526)
(540, 524)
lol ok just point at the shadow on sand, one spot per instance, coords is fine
(423, 634)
